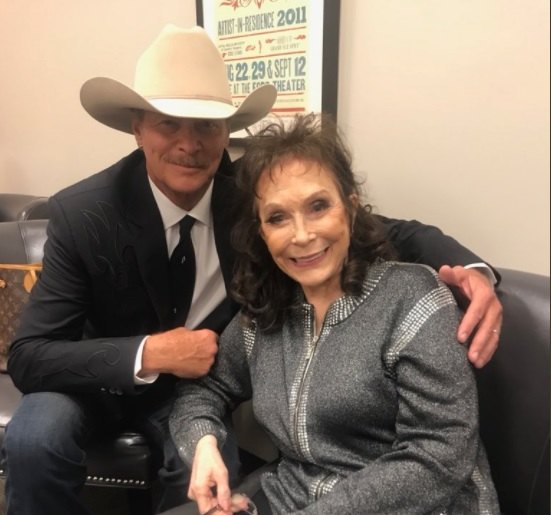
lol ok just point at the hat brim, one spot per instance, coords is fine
(111, 103)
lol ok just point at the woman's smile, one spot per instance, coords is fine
(310, 260)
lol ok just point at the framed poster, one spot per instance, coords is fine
(292, 44)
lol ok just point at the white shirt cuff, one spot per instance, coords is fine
(485, 269)
(138, 366)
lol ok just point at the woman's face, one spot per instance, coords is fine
(305, 225)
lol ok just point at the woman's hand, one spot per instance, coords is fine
(209, 475)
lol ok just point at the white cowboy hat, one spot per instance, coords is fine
(181, 74)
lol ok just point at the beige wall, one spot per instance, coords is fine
(445, 104)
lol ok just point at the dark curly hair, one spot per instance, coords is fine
(263, 290)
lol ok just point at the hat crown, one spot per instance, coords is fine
(181, 74)
(182, 64)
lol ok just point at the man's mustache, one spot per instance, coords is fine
(188, 162)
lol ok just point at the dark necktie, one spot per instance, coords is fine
(182, 272)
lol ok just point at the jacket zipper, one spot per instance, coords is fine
(311, 349)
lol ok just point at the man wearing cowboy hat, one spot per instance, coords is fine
(113, 322)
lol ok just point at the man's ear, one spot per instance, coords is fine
(137, 128)
(137, 134)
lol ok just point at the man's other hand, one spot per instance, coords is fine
(484, 315)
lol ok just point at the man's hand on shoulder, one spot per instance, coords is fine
(484, 314)
(180, 352)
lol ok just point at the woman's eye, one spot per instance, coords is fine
(275, 219)
(319, 205)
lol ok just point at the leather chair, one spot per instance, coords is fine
(14, 206)
(514, 396)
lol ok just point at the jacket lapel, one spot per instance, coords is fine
(149, 241)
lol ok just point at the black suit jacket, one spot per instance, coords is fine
(105, 283)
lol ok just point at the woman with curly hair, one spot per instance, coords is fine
(350, 358)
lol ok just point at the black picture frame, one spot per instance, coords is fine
(330, 57)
